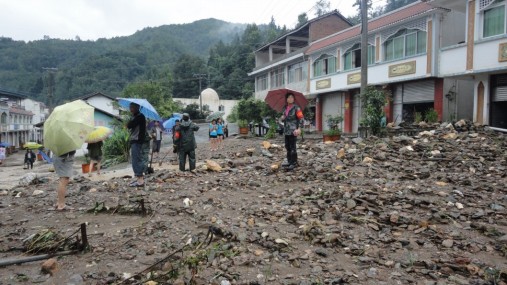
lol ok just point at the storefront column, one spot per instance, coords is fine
(347, 120)
(318, 113)
(388, 108)
(438, 104)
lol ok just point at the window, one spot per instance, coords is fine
(221, 108)
(262, 82)
(494, 21)
(277, 78)
(297, 72)
(405, 43)
(325, 64)
(352, 58)
(3, 119)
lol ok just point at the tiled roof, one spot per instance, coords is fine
(374, 24)
(20, 111)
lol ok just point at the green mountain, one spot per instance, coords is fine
(107, 65)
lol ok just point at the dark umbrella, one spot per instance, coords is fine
(276, 99)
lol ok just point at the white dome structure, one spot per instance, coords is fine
(209, 95)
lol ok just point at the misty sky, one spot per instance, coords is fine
(92, 19)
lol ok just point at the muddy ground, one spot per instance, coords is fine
(428, 209)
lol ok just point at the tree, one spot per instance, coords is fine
(395, 4)
(155, 93)
(193, 111)
(186, 85)
(374, 101)
(322, 7)
(302, 19)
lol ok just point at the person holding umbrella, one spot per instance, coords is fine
(137, 127)
(292, 119)
(65, 130)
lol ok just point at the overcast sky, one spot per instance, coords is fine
(92, 19)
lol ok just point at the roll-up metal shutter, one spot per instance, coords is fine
(500, 88)
(419, 92)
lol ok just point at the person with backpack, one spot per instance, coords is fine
(185, 141)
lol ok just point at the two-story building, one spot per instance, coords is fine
(40, 112)
(15, 120)
(282, 63)
(403, 58)
(481, 57)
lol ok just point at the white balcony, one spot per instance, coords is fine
(453, 60)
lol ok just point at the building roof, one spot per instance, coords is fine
(20, 111)
(88, 96)
(305, 26)
(11, 93)
(106, 112)
(389, 19)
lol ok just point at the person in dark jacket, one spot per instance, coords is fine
(185, 141)
(292, 119)
(137, 128)
(95, 154)
(29, 158)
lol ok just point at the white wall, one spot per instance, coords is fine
(103, 103)
(486, 55)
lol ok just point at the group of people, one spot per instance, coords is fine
(184, 144)
(216, 134)
(183, 141)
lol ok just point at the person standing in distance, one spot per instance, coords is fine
(185, 140)
(292, 119)
(137, 128)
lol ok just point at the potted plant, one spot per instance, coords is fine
(85, 167)
(334, 132)
(243, 127)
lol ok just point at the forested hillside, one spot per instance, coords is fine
(107, 65)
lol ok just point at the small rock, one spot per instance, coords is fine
(367, 160)
(75, 280)
(459, 205)
(496, 207)
(351, 204)
(187, 202)
(49, 266)
(448, 243)
(322, 252)
(341, 153)
(372, 272)
(37, 192)
(266, 144)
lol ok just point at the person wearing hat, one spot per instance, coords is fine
(137, 128)
(184, 139)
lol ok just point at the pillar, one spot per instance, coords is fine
(347, 120)
(388, 108)
(318, 113)
(438, 104)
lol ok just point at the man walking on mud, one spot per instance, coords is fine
(137, 127)
(185, 141)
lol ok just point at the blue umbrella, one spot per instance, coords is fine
(171, 122)
(4, 144)
(146, 108)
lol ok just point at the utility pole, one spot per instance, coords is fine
(200, 76)
(364, 51)
(50, 83)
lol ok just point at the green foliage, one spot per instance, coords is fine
(333, 123)
(272, 129)
(117, 147)
(418, 117)
(431, 116)
(194, 111)
(374, 101)
(242, 123)
(250, 110)
(233, 116)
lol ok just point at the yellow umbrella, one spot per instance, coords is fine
(99, 134)
(32, 145)
(68, 126)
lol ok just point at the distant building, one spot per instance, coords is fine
(210, 102)
(106, 108)
(15, 121)
(40, 113)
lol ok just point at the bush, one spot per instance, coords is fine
(117, 147)
(374, 101)
(418, 117)
(431, 116)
